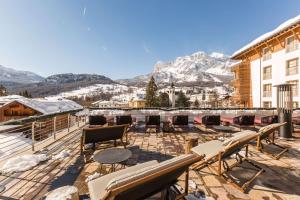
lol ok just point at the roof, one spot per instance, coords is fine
(45, 106)
(285, 25)
(7, 99)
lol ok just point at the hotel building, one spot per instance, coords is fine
(269, 60)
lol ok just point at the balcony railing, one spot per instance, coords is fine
(33, 134)
(267, 93)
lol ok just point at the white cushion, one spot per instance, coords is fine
(97, 186)
(132, 176)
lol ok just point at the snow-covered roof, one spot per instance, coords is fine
(9, 98)
(285, 25)
(45, 106)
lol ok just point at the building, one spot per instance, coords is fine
(269, 60)
(137, 103)
(110, 104)
(17, 107)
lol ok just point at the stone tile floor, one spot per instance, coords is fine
(281, 179)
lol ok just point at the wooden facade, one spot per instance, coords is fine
(16, 110)
(242, 85)
(242, 80)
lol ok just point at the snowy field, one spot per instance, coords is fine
(11, 143)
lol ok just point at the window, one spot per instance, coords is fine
(267, 73)
(292, 67)
(295, 104)
(294, 87)
(267, 90)
(267, 54)
(291, 44)
(267, 104)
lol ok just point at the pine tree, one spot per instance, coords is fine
(196, 103)
(164, 100)
(2, 90)
(182, 100)
(151, 98)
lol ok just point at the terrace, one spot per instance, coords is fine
(55, 134)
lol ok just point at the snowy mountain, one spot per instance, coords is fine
(16, 76)
(72, 78)
(198, 67)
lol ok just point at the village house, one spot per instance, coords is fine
(269, 60)
(17, 107)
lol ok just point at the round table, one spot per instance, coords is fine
(226, 130)
(112, 157)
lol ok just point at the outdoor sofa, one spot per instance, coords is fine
(102, 134)
(143, 180)
(208, 120)
(241, 121)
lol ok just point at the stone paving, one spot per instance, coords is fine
(281, 179)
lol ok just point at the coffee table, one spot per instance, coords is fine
(112, 156)
(226, 130)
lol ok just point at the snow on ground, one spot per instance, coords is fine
(63, 154)
(92, 177)
(22, 163)
(13, 142)
(94, 89)
(62, 193)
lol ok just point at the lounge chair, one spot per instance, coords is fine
(124, 119)
(142, 180)
(264, 135)
(266, 119)
(101, 134)
(180, 121)
(217, 151)
(208, 120)
(96, 120)
(241, 121)
(153, 121)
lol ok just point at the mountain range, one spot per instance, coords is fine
(199, 69)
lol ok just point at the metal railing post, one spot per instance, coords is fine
(78, 120)
(69, 122)
(33, 134)
(54, 128)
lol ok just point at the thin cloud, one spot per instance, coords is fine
(146, 48)
(88, 28)
(83, 11)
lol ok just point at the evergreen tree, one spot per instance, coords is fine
(196, 103)
(2, 90)
(182, 100)
(151, 96)
(25, 93)
(164, 100)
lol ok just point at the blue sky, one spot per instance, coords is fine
(124, 38)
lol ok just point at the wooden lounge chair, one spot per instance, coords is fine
(153, 121)
(217, 151)
(96, 120)
(179, 122)
(267, 134)
(124, 119)
(240, 121)
(101, 134)
(266, 119)
(142, 180)
(208, 120)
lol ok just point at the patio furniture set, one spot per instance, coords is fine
(146, 179)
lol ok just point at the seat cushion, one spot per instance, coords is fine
(135, 175)
(209, 149)
(97, 186)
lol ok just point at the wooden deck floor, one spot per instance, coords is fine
(281, 180)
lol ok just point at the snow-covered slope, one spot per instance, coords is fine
(12, 75)
(199, 66)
